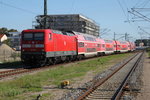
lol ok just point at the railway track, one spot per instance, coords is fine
(112, 86)
(12, 72)
(18, 71)
(107, 85)
(9, 73)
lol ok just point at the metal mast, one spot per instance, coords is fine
(45, 13)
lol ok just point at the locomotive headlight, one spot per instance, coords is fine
(26, 45)
(39, 46)
(42, 49)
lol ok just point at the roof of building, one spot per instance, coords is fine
(80, 15)
(1, 35)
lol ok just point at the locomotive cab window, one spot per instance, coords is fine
(33, 36)
(27, 36)
(38, 36)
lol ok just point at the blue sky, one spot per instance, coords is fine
(110, 14)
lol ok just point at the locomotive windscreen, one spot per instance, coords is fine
(33, 36)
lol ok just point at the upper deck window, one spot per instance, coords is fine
(108, 41)
(123, 42)
(57, 32)
(89, 38)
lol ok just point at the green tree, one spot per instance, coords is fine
(12, 30)
(6, 31)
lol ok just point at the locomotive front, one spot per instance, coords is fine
(32, 46)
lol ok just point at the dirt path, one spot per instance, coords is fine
(145, 91)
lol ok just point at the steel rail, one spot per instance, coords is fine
(12, 72)
(119, 91)
(91, 89)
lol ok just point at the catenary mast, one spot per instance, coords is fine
(45, 13)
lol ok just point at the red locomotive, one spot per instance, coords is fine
(46, 46)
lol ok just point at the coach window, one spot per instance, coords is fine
(98, 45)
(103, 45)
(129, 46)
(81, 44)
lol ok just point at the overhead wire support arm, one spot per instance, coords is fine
(142, 9)
(143, 30)
(142, 15)
(138, 14)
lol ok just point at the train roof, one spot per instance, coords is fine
(100, 40)
(109, 41)
(118, 42)
(85, 36)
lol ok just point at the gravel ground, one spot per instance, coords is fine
(106, 90)
(145, 91)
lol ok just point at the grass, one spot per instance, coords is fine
(148, 51)
(34, 83)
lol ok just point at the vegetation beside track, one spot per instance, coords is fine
(148, 51)
(10, 64)
(14, 89)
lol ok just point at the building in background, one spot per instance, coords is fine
(15, 38)
(142, 42)
(68, 22)
(3, 37)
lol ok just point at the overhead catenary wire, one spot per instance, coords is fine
(126, 14)
(138, 14)
(18, 8)
(136, 4)
(121, 7)
(141, 3)
(145, 3)
(143, 30)
(139, 11)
